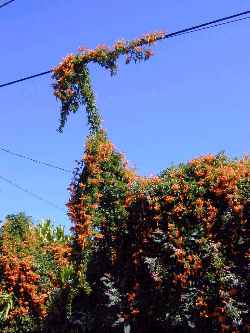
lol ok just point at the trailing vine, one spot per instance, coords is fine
(168, 253)
(166, 245)
(155, 253)
(72, 82)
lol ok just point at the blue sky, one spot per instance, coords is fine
(190, 99)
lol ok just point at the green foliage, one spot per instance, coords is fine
(18, 226)
(168, 258)
(72, 82)
(166, 254)
(6, 304)
(84, 94)
(48, 233)
(32, 265)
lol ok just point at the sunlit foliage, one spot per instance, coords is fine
(168, 253)
(72, 82)
(31, 261)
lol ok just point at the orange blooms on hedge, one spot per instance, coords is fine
(32, 261)
(20, 280)
(197, 210)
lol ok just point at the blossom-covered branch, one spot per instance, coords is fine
(72, 82)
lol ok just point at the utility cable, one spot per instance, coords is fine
(34, 160)
(209, 25)
(213, 23)
(6, 3)
(30, 193)
(25, 78)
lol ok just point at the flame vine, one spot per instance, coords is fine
(175, 236)
(72, 82)
(167, 253)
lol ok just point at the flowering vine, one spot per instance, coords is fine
(162, 253)
(72, 82)
(178, 231)
(31, 265)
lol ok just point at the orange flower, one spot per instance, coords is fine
(199, 203)
(131, 296)
(175, 187)
(99, 236)
(168, 199)
(238, 209)
(135, 312)
(94, 181)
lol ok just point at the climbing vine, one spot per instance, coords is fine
(72, 82)
(173, 248)
(168, 253)
(32, 261)
(159, 253)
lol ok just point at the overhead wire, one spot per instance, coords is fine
(213, 23)
(208, 25)
(30, 193)
(50, 165)
(204, 26)
(6, 3)
(25, 78)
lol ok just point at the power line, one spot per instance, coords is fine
(208, 25)
(6, 3)
(25, 78)
(230, 19)
(30, 193)
(34, 160)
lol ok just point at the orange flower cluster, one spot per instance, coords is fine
(31, 263)
(176, 235)
(184, 206)
(72, 84)
(60, 252)
(22, 283)
(86, 197)
(66, 68)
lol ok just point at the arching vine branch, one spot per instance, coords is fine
(72, 82)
